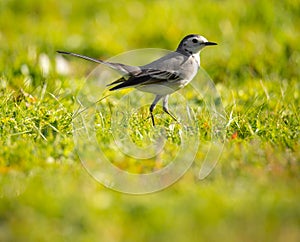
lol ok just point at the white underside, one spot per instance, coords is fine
(164, 88)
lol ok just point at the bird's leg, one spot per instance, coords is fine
(166, 109)
(157, 98)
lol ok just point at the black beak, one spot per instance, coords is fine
(210, 43)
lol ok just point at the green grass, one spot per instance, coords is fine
(253, 192)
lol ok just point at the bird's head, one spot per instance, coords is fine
(193, 44)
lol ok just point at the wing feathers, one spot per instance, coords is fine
(145, 77)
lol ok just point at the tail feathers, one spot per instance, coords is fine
(121, 68)
(81, 56)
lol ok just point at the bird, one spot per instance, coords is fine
(160, 77)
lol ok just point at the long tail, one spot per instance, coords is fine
(81, 56)
(121, 68)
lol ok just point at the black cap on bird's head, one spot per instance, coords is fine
(193, 44)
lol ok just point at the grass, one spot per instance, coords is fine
(253, 192)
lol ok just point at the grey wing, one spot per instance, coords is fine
(145, 77)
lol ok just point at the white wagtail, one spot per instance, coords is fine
(163, 76)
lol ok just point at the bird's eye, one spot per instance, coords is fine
(195, 41)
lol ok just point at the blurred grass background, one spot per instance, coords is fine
(252, 195)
